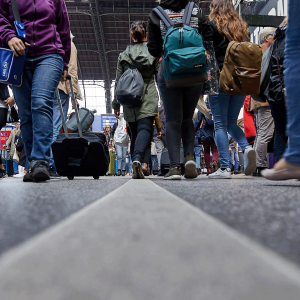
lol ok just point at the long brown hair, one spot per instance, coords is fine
(228, 20)
(138, 30)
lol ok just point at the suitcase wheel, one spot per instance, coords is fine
(70, 177)
(96, 177)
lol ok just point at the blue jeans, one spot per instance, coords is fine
(225, 109)
(128, 164)
(16, 169)
(235, 159)
(292, 75)
(197, 149)
(121, 157)
(35, 101)
(57, 121)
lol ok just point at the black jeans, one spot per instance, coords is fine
(3, 118)
(278, 110)
(141, 136)
(179, 105)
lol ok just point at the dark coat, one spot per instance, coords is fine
(206, 133)
(220, 44)
(155, 40)
(275, 88)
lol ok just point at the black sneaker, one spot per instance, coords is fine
(39, 171)
(173, 174)
(2, 174)
(28, 177)
(123, 173)
(53, 174)
(137, 171)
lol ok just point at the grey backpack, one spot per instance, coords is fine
(129, 90)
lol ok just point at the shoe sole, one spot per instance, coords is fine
(190, 170)
(251, 167)
(137, 171)
(173, 177)
(41, 175)
(218, 177)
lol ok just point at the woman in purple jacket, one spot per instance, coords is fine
(49, 46)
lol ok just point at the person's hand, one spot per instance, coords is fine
(17, 46)
(10, 101)
(64, 76)
(159, 135)
(117, 113)
(77, 104)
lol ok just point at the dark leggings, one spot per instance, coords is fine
(3, 118)
(179, 105)
(141, 136)
(278, 110)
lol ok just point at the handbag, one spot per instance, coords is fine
(121, 137)
(11, 67)
(211, 86)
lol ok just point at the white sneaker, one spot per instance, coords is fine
(249, 160)
(20, 175)
(220, 174)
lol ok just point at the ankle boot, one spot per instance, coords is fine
(119, 173)
(146, 170)
(208, 171)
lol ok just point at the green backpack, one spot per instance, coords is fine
(184, 54)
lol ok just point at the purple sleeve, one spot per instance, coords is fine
(63, 28)
(7, 32)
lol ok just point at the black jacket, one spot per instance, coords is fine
(155, 41)
(206, 133)
(275, 88)
(220, 44)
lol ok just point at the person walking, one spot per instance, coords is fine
(262, 113)
(276, 97)
(179, 103)
(289, 166)
(206, 133)
(225, 22)
(49, 46)
(140, 119)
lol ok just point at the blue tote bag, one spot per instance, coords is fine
(11, 67)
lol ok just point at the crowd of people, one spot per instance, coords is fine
(175, 126)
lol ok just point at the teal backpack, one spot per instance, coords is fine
(184, 54)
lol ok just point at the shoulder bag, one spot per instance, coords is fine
(11, 67)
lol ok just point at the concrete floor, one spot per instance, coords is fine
(119, 239)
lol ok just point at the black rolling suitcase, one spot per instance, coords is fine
(9, 167)
(165, 161)
(79, 154)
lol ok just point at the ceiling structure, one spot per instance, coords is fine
(101, 29)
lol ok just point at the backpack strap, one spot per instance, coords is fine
(16, 13)
(164, 17)
(188, 13)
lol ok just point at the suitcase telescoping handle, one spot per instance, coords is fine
(62, 114)
(75, 106)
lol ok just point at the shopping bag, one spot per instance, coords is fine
(121, 137)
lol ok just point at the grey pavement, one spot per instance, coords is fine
(142, 242)
(267, 211)
(28, 208)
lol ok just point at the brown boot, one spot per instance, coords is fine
(208, 171)
(215, 166)
(145, 169)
